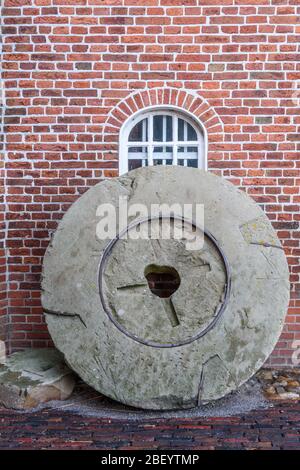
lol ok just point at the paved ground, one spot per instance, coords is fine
(273, 428)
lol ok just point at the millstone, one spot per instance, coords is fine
(151, 323)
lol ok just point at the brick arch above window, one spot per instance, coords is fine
(174, 98)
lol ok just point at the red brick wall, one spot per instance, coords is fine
(3, 271)
(70, 68)
(3, 283)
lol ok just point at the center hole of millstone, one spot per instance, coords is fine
(163, 281)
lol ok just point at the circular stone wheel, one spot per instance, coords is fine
(150, 323)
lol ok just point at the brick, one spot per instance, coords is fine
(263, 119)
(276, 427)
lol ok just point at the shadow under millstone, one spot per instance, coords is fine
(86, 401)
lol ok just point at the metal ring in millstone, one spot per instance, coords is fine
(217, 315)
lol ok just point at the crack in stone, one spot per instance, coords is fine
(270, 279)
(201, 380)
(267, 245)
(65, 314)
(109, 375)
(128, 183)
(200, 386)
(245, 321)
(156, 246)
(132, 286)
(99, 364)
(272, 265)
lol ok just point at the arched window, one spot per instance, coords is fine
(162, 137)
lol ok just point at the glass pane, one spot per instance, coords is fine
(139, 133)
(133, 151)
(137, 156)
(193, 163)
(169, 128)
(188, 156)
(180, 129)
(163, 152)
(137, 153)
(158, 128)
(189, 152)
(191, 133)
(186, 131)
(162, 128)
(160, 161)
(132, 164)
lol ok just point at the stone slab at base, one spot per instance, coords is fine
(280, 385)
(34, 376)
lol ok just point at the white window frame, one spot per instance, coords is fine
(149, 112)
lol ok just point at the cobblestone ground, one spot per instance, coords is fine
(276, 428)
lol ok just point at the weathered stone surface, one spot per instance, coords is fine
(31, 377)
(110, 353)
(202, 285)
